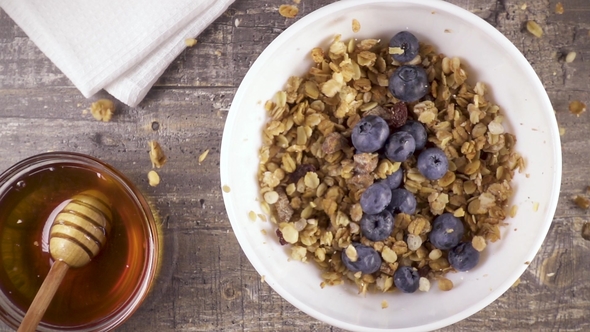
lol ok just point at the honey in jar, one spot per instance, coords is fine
(95, 297)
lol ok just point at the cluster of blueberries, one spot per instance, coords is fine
(384, 199)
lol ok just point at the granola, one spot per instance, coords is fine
(311, 179)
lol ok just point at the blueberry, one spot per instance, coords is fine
(417, 130)
(399, 146)
(447, 231)
(408, 43)
(369, 134)
(406, 279)
(463, 257)
(402, 201)
(409, 83)
(433, 163)
(375, 198)
(368, 261)
(394, 179)
(377, 227)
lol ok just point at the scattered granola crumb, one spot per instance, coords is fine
(297, 1)
(218, 52)
(153, 178)
(102, 110)
(190, 42)
(36, 243)
(570, 57)
(262, 217)
(203, 156)
(448, 31)
(551, 274)
(156, 154)
(523, 6)
(534, 28)
(263, 231)
(226, 188)
(527, 263)
(384, 304)
(582, 202)
(535, 206)
(445, 284)
(288, 11)
(577, 107)
(516, 283)
(561, 131)
(586, 231)
(356, 25)
(558, 8)
(262, 278)
(252, 216)
(237, 22)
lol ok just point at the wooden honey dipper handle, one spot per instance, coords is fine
(77, 234)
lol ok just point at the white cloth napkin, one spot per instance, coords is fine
(122, 46)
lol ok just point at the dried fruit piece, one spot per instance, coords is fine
(288, 11)
(534, 28)
(577, 107)
(156, 154)
(300, 172)
(102, 110)
(397, 115)
(281, 238)
(153, 178)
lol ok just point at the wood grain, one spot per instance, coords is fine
(207, 284)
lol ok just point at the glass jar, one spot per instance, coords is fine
(99, 296)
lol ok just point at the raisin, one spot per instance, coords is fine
(281, 238)
(424, 270)
(300, 171)
(398, 115)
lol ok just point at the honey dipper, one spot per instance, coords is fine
(77, 234)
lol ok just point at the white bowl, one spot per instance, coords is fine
(492, 59)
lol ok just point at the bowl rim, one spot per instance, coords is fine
(513, 53)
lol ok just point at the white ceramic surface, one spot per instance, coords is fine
(490, 58)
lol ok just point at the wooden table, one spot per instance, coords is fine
(207, 283)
